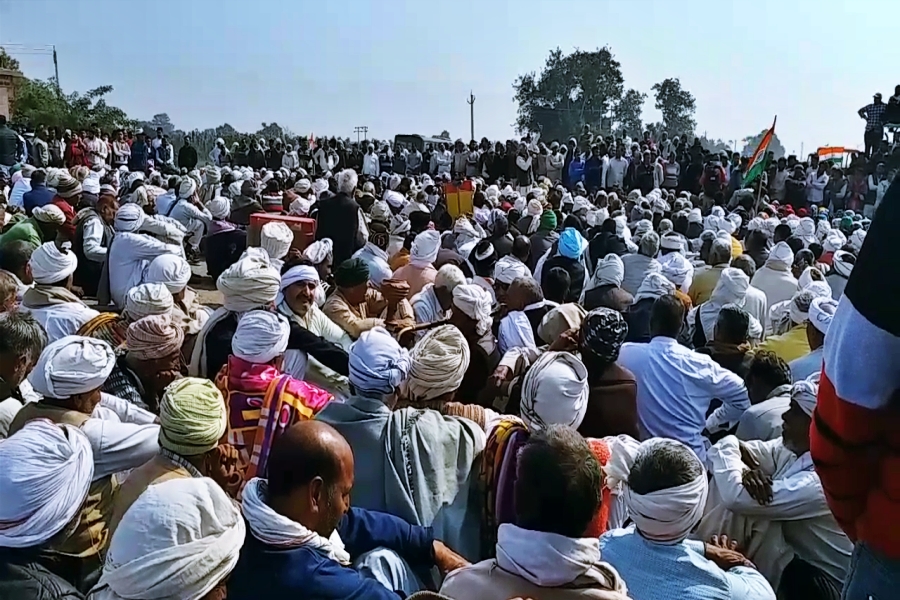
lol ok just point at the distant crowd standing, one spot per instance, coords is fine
(624, 375)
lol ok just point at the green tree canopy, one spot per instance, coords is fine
(39, 102)
(677, 106)
(8, 62)
(752, 142)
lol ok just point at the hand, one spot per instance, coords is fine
(747, 457)
(724, 553)
(758, 485)
(446, 559)
(78, 291)
(566, 342)
(500, 376)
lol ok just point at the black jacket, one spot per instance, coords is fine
(338, 219)
(576, 274)
(606, 243)
(9, 144)
(22, 578)
(187, 158)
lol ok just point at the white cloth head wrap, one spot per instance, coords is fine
(475, 303)
(276, 238)
(219, 207)
(377, 363)
(805, 393)
(129, 218)
(186, 188)
(781, 256)
(49, 264)
(261, 336)
(72, 365)
(555, 391)
(296, 275)
(821, 313)
(438, 363)
(677, 269)
(510, 268)
(170, 270)
(802, 300)
(654, 285)
(857, 238)
(806, 230)
(249, 283)
(609, 271)
(47, 470)
(695, 216)
(318, 251)
(834, 240)
(49, 213)
(148, 299)
(180, 539)
(300, 207)
(666, 515)
(425, 248)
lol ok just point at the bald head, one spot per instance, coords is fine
(306, 451)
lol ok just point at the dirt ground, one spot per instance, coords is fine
(205, 287)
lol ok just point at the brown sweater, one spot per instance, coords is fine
(612, 405)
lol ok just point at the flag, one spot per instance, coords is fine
(758, 161)
(831, 154)
(312, 141)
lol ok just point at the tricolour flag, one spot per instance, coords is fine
(758, 160)
(833, 154)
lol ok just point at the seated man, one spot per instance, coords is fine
(471, 314)
(604, 290)
(357, 307)
(192, 420)
(144, 300)
(225, 242)
(41, 227)
(93, 235)
(794, 343)
(434, 301)
(767, 496)
(14, 262)
(768, 382)
(262, 401)
(420, 271)
(174, 272)
(730, 343)
(821, 313)
(664, 487)
(69, 376)
(22, 339)
(51, 300)
(44, 482)
(545, 553)
(402, 454)
(305, 541)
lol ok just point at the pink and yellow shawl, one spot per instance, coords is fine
(262, 403)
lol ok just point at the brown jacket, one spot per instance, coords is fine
(155, 470)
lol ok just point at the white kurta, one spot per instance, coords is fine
(778, 286)
(797, 522)
(129, 255)
(302, 366)
(60, 320)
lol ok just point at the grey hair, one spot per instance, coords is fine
(21, 335)
(8, 287)
(720, 251)
(530, 287)
(662, 465)
(649, 244)
(347, 180)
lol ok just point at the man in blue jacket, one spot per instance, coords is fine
(305, 541)
(40, 194)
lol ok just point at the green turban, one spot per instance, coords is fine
(351, 273)
(192, 417)
(548, 221)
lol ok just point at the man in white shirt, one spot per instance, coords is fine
(768, 382)
(675, 385)
(218, 154)
(370, 162)
(815, 185)
(879, 183)
(615, 172)
(767, 497)
(97, 149)
(192, 214)
(778, 184)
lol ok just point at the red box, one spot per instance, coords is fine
(304, 229)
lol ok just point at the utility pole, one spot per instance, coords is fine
(471, 102)
(361, 129)
(56, 71)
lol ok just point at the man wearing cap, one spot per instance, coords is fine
(768, 498)
(821, 312)
(874, 117)
(42, 225)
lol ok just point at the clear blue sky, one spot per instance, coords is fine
(325, 66)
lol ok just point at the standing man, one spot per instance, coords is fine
(139, 153)
(217, 155)
(615, 174)
(187, 155)
(41, 155)
(815, 184)
(9, 141)
(874, 117)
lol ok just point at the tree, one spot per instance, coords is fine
(717, 145)
(39, 102)
(444, 135)
(627, 113)
(752, 142)
(677, 106)
(163, 121)
(571, 91)
(8, 62)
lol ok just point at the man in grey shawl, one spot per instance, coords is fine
(416, 464)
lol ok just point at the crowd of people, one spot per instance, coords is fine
(624, 374)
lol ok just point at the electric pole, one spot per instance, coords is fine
(56, 71)
(363, 130)
(471, 102)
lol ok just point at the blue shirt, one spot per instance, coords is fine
(655, 571)
(803, 367)
(299, 573)
(40, 195)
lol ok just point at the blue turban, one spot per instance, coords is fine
(571, 243)
(378, 364)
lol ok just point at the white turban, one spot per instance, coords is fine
(821, 313)
(508, 269)
(466, 237)
(804, 393)
(781, 257)
(654, 285)
(806, 230)
(261, 336)
(448, 277)
(148, 299)
(300, 207)
(727, 226)
(296, 275)
(377, 363)
(302, 186)
(555, 391)
(249, 283)
(47, 470)
(438, 363)
(475, 303)
(180, 539)
(170, 270)
(834, 240)
(219, 207)
(609, 271)
(49, 264)
(186, 188)
(800, 303)
(276, 238)
(72, 365)
(665, 515)
(857, 238)
(318, 251)
(695, 216)
(49, 213)
(677, 269)
(129, 218)
(425, 248)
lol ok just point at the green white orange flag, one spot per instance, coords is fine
(758, 160)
